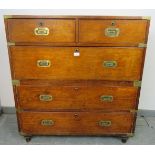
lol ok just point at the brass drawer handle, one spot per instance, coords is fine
(112, 32)
(42, 31)
(106, 98)
(104, 123)
(43, 63)
(47, 122)
(46, 97)
(110, 64)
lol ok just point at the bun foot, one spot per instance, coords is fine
(124, 139)
(28, 138)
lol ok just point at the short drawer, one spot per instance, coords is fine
(41, 30)
(112, 31)
(75, 123)
(81, 63)
(78, 97)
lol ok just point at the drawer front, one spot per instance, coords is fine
(67, 63)
(112, 31)
(50, 98)
(75, 123)
(41, 30)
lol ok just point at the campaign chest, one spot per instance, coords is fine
(76, 75)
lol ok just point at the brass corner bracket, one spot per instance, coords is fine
(130, 134)
(23, 133)
(7, 16)
(133, 111)
(142, 45)
(146, 17)
(10, 43)
(137, 83)
(16, 82)
(19, 110)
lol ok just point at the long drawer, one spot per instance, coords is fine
(41, 30)
(75, 123)
(83, 63)
(112, 31)
(76, 96)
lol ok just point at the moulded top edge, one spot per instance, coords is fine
(74, 16)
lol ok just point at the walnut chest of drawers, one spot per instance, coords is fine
(76, 75)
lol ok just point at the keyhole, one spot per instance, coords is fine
(41, 24)
(76, 50)
(76, 53)
(113, 23)
(76, 115)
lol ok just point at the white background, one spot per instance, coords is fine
(147, 100)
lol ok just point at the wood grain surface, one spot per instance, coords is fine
(131, 31)
(76, 123)
(77, 79)
(22, 30)
(88, 65)
(76, 97)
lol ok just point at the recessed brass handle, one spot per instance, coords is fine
(112, 32)
(43, 63)
(104, 123)
(46, 97)
(110, 64)
(106, 98)
(47, 122)
(43, 31)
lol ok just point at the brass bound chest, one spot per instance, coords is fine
(76, 75)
